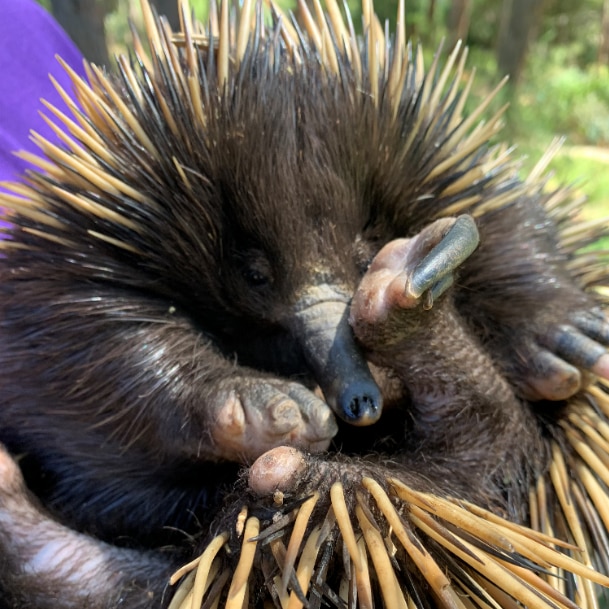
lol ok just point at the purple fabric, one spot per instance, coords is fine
(29, 41)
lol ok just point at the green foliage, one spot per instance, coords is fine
(585, 167)
(573, 24)
(560, 96)
(485, 24)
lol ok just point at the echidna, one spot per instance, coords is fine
(261, 225)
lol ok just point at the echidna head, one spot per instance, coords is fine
(264, 217)
(270, 192)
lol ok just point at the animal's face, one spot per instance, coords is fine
(289, 209)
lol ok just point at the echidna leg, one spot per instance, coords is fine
(46, 565)
(517, 292)
(453, 384)
(163, 381)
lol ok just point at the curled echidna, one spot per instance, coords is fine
(257, 228)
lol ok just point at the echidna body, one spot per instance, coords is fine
(230, 234)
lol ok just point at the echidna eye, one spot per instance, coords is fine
(256, 269)
(255, 277)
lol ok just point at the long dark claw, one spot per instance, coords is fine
(575, 347)
(594, 324)
(438, 288)
(581, 350)
(455, 247)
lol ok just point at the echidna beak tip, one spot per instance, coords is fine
(360, 403)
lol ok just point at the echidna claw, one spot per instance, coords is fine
(438, 288)
(566, 353)
(435, 271)
(408, 276)
(594, 324)
(585, 343)
(551, 378)
(575, 347)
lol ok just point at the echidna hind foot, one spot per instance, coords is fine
(554, 337)
(406, 299)
(558, 357)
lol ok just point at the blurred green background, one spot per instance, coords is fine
(556, 52)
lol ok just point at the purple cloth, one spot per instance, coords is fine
(29, 41)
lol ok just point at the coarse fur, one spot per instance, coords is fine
(138, 296)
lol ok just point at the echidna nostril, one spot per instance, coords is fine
(360, 403)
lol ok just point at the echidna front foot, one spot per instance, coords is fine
(565, 354)
(257, 414)
(409, 275)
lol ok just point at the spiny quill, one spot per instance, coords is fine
(398, 547)
(177, 73)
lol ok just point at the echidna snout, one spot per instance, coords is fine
(360, 402)
(321, 325)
